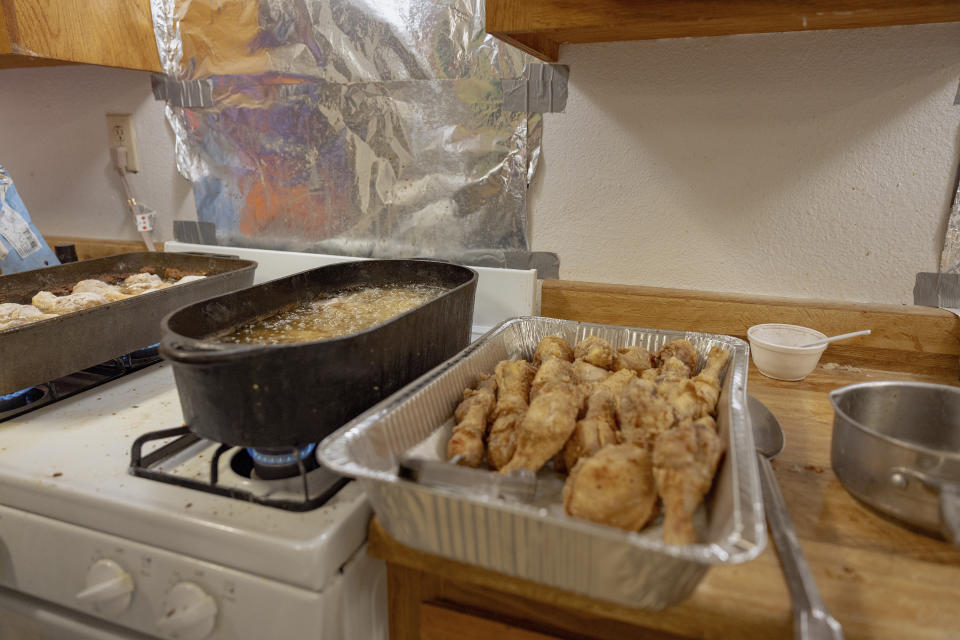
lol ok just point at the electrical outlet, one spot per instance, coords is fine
(120, 134)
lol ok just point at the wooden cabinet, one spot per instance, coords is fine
(539, 27)
(113, 33)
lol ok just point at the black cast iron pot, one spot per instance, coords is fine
(294, 394)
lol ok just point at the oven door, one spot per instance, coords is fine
(24, 617)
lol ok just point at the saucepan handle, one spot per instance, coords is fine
(949, 498)
(950, 511)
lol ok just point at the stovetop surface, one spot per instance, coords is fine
(69, 461)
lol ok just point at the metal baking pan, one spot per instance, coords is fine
(537, 541)
(36, 353)
(281, 395)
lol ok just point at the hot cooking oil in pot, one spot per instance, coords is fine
(347, 312)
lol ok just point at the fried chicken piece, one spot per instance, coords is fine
(697, 397)
(552, 347)
(642, 413)
(59, 305)
(615, 382)
(682, 350)
(546, 427)
(672, 369)
(594, 350)
(552, 370)
(15, 315)
(513, 390)
(708, 380)
(471, 415)
(502, 439)
(588, 374)
(614, 486)
(513, 386)
(108, 291)
(685, 460)
(597, 429)
(141, 283)
(634, 358)
(681, 395)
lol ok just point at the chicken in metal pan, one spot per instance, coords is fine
(632, 430)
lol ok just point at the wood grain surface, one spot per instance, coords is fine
(115, 33)
(442, 623)
(89, 248)
(540, 26)
(878, 578)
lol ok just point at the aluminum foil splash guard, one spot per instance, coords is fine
(383, 128)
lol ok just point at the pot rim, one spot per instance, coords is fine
(899, 442)
(178, 347)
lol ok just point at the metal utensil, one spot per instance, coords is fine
(520, 485)
(811, 620)
(896, 447)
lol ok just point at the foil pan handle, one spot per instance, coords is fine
(519, 485)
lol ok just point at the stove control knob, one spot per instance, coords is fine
(189, 613)
(109, 588)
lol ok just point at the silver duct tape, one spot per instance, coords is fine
(185, 93)
(937, 290)
(541, 89)
(350, 127)
(194, 232)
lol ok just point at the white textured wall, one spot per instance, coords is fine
(815, 164)
(53, 140)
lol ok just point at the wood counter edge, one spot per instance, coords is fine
(496, 594)
(90, 248)
(904, 337)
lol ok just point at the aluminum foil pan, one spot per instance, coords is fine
(535, 540)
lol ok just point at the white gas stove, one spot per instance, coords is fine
(90, 550)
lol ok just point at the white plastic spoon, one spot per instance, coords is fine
(842, 336)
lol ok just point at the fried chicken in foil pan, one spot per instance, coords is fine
(609, 461)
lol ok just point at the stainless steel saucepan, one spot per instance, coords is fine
(896, 447)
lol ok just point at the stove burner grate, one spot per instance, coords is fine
(143, 466)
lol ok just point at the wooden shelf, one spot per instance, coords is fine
(539, 27)
(113, 33)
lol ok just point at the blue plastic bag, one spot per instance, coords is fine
(22, 248)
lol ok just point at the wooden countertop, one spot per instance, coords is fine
(878, 579)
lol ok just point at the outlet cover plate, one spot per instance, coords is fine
(120, 134)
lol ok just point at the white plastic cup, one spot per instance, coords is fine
(776, 353)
